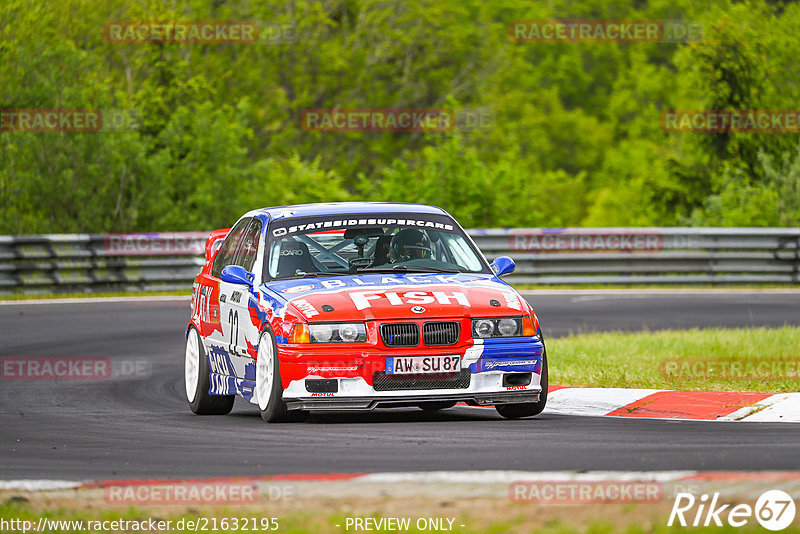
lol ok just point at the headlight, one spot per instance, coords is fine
(499, 327)
(508, 327)
(320, 333)
(483, 327)
(350, 333)
(337, 332)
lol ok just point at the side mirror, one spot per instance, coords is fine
(236, 274)
(503, 265)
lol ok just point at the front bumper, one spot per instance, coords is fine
(398, 401)
(490, 365)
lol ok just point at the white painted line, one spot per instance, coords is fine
(658, 291)
(93, 300)
(38, 485)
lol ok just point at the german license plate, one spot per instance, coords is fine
(413, 365)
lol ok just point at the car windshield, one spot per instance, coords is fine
(337, 245)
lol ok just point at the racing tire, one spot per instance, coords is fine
(269, 391)
(527, 409)
(435, 406)
(196, 378)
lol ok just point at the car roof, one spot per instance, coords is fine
(345, 208)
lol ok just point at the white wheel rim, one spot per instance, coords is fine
(265, 371)
(191, 366)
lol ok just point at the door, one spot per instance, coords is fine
(218, 335)
(243, 338)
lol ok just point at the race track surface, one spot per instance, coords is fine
(141, 426)
(630, 310)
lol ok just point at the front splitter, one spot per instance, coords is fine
(370, 403)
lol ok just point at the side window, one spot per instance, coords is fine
(246, 255)
(228, 248)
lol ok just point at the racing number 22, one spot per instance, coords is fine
(233, 320)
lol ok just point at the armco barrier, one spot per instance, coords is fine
(167, 261)
(647, 255)
(100, 262)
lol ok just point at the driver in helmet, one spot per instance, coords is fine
(409, 244)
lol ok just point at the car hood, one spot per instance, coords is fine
(399, 296)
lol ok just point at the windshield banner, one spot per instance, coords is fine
(337, 222)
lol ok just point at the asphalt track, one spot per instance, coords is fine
(140, 426)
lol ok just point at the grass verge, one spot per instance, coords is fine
(329, 516)
(742, 359)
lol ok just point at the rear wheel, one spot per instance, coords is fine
(527, 409)
(196, 371)
(268, 384)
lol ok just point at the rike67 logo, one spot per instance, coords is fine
(774, 510)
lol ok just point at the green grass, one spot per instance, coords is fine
(638, 360)
(309, 522)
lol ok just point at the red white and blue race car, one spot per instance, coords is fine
(354, 306)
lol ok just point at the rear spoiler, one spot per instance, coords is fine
(214, 241)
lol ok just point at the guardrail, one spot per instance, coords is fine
(647, 255)
(100, 262)
(169, 261)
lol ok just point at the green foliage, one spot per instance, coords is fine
(576, 137)
(772, 201)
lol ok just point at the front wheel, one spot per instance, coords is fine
(269, 391)
(196, 372)
(527, 409)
